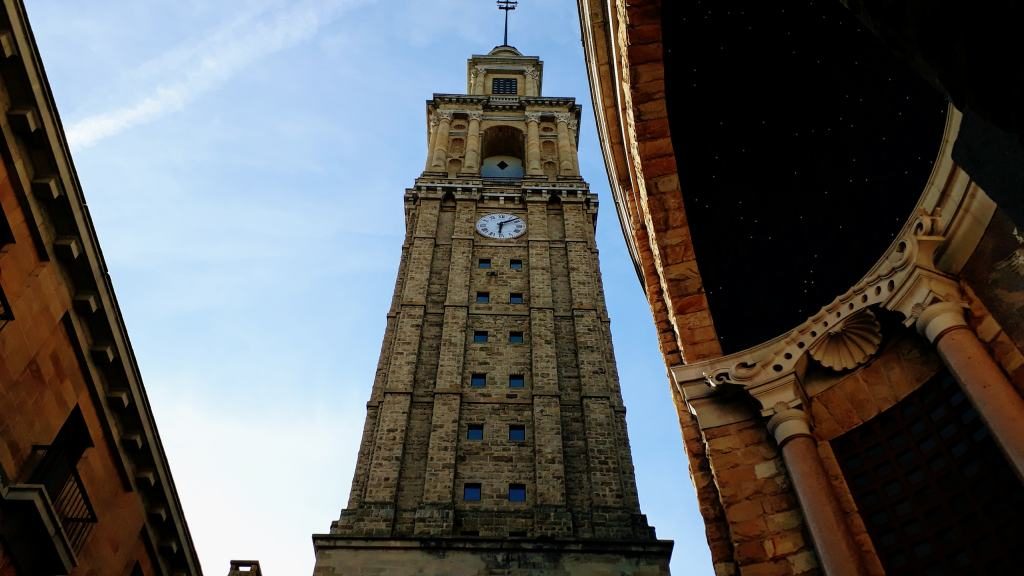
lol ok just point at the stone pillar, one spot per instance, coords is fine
(431, 140)
(565, 163)
(825, 520)
(440, 150)
(472, 163)
(478, 79)
(533, 167)
(532, 82)
(574, 153)
(981, 379)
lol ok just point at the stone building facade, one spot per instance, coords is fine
(869, 422)
(495, 440)
(85, 487)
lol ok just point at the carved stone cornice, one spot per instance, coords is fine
(563, 117)
(905, 280)
(533, 116)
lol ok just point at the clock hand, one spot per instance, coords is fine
(507, 221)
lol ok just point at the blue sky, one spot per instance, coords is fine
(244, 163)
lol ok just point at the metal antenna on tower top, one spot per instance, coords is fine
(507, 5)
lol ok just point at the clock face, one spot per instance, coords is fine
(501, 226)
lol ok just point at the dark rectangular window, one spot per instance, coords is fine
(515, 298)
(517, 534)
(6, 235)
(480, 336)
(471, 492)
(515, 337)
(504, 86)
(515, 264)
(516, 381)
(483, 263)
(483, 297)
(475, 432)
(516, 433)
(478, 380)
(517, 492)
(5, 309)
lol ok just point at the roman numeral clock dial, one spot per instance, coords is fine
(501, 226)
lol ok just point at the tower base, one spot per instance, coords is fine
(345, 555)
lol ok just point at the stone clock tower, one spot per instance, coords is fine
(495, 436)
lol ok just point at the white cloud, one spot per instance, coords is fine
(202, 67)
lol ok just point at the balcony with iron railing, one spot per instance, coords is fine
(48, 516)
(67, 494)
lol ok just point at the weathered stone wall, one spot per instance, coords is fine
(415, 459)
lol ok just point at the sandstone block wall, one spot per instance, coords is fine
(415, 458)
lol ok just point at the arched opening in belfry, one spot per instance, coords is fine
(502, 150)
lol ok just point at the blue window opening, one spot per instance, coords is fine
(480, 336)
(475, 432)
(516, 433)
(484, 263)
(471, 492)
(483, 297)
(478, 380)
(515, 338)
(515, 264)
(516, 492)
(517, 381)
(515, 298)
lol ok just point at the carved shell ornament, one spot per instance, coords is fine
(849, 344)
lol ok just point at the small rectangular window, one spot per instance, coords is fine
(471, 492)
(478, 380)
(5, 309)
(515, 337)
(484, 263)
(516, 433)
(483, 297)
(6, 234)
(475, 432)
(504, 86)
(515, 264)
(479, 336)
(517, 492)
(515, 298)
(516, 381)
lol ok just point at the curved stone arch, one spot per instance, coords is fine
(918, 269)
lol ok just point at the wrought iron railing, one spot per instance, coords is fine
(67, 493)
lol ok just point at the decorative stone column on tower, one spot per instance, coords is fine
(565, 147)
(495, 439)
(472, 163)
(440, 140)
(533, 167)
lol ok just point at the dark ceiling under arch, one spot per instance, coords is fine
(802, 146)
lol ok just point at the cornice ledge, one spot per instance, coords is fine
(905, 280)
